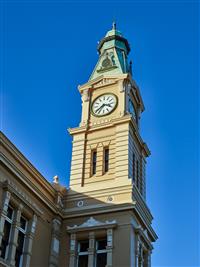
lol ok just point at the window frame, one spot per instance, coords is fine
(93, 162)
(82, 253)
(106, 160)
(100, 251)
(10, 221)
(23, 231)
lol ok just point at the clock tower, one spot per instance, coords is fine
(107, 197)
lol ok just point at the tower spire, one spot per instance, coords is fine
(113, 54)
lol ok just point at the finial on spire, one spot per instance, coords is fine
(114, 25)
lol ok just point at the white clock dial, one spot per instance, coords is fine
(104, 104)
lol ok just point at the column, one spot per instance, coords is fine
(149, 258)
(6, 199)
(29, 241)
(141, 256)
(14, 235)
(85, 107)
(91, 250)
(109, 247)
(137, 252)
(122, 96)
(55, 243)
(73, 252)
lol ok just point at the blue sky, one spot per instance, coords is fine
(48, 48)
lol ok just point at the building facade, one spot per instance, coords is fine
(102, 219)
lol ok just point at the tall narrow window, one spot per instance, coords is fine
(101, 253)
(83, 253)
(106, 160)
(20, 242)
(141, 176)
(137, 175)
(133, 177)
(94, 162)
(6, 233)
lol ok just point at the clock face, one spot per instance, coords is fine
(104, 104)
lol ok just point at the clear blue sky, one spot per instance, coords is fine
(49, 47)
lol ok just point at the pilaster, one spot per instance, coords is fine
(29, 241)
(109, 247)
(55, 243)
(121, 159)
(122, 102)
(149, 258)
(73, 252)
(137, 252)
(14, 235)
(85, 107)
(91, 250)
(78, 160)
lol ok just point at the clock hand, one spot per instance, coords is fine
(99, 109)
(108, 105)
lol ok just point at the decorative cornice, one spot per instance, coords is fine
(96, 209)
(114, 37)
(139, 230)
(17, 155)
(143, 212)
(91, 223)
(138, 198)
(102, 79)
(111, 123)
(14, 189)
(28, 184)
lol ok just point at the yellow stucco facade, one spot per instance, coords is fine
(102, 219)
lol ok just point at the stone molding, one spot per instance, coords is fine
(142, 236)
(101, 81)
(11, 187)
(17, 155)
(92, 223)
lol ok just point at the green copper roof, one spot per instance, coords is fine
(114, 31)
(113, 54)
